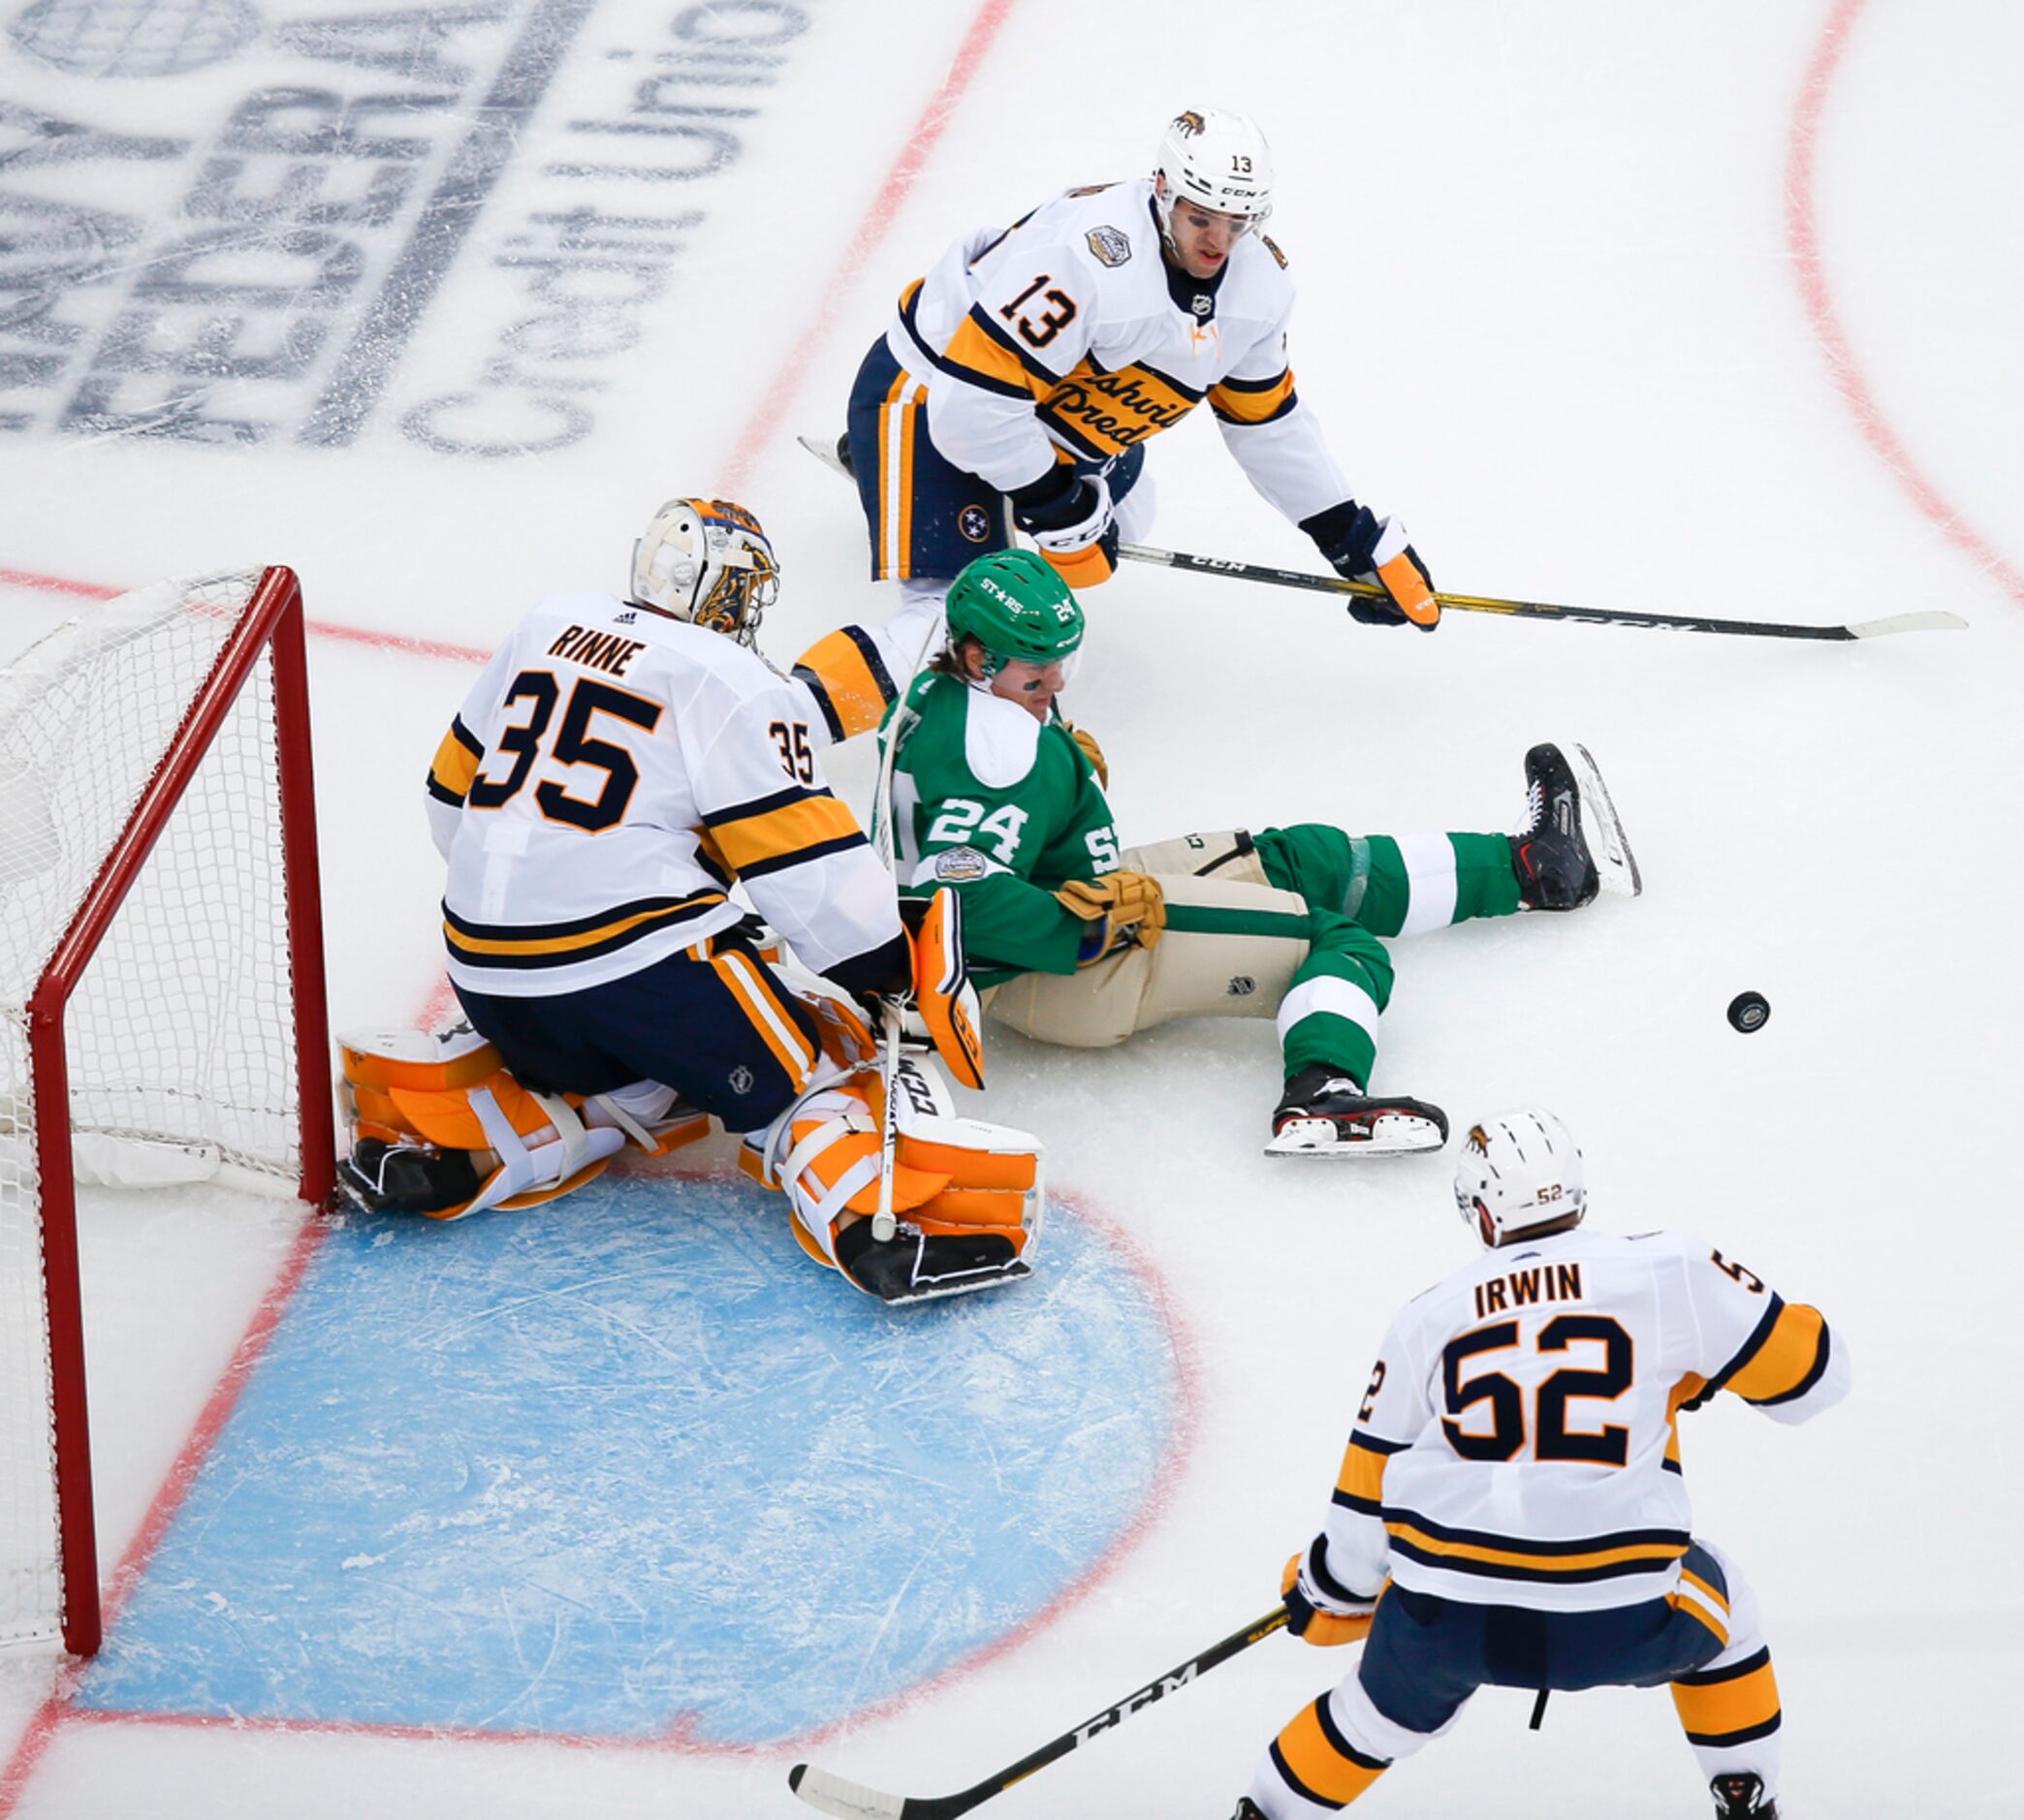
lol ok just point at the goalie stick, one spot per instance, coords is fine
(851, 1800)
(827, 455)
(883, 840)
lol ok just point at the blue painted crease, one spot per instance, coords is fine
(630, 1464)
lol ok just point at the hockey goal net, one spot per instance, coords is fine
(161, 991)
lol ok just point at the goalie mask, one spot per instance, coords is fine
(1519, 1175)
(1217, 160)
(706, 561)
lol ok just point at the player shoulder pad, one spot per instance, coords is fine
(1000, 740)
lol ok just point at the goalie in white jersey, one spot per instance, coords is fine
(1511, 1509)
(619, 766)
(1023, 376)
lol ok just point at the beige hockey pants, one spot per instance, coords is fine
(1241, 971)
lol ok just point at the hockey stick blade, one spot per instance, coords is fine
(852, 1801)
(826, 453)
(1907, 622)
(848, 1801)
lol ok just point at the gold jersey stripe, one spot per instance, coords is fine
(1519, 1555)
(456, 766)
(853, 690)
(973, 351)
(1785, 1359)
(1363, 1473)
(465, 944)
(1251, 407)
(806, 822)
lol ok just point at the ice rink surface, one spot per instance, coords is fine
(1696, 308)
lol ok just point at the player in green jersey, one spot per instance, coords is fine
(1078, 941)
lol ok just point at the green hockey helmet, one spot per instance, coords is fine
(1016, 607)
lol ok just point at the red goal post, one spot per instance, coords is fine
(162, 1010)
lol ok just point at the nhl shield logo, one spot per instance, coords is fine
(740, 1079)
(974, 522)
(1242, 986)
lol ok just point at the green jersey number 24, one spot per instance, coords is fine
(963, 823)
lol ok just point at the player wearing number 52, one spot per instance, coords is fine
(1022, 377)
(617, 768)
(1511, 1510)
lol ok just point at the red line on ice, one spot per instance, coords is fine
(1802, 234)
(766, 421)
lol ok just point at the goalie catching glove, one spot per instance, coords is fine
(1125, 909)
(969, 1195)
(1361, 547)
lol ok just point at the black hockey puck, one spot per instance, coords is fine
(1749, 1010)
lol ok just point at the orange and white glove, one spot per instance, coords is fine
(1318, 1618)
(1124, 907)
(1361, 547)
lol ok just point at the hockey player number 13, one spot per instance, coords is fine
(1051, 322)
(1552, 1438)
(571, 745)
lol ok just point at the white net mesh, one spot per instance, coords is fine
(180, 1032)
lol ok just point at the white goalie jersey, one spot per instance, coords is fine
(1069, 331)
(1519, 1443)
(612, 774)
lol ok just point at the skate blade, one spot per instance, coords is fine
(1616, 865)
(1394, 1135)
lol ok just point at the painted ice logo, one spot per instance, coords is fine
(133, 37)
(253, 270)
(974, 522)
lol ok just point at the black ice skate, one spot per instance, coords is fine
(1741, 1798)
(1572, 843)
(408, 1178)
(1324, 1115)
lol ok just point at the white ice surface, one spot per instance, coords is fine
(1551, 317)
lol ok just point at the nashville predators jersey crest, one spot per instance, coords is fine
(611, 773)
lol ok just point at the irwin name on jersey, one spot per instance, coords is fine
(1546, 1282)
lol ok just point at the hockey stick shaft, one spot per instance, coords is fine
(850, 1801)
(1542, 609)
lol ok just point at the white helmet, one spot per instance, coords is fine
(1518, 1171)
(709, 562)
(1217, 160)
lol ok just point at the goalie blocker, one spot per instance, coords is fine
(441, 1128)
